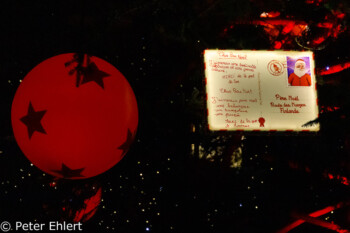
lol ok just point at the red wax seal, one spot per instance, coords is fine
(262, 121)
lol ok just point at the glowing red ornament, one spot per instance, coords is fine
(334, 69)
(74, 116)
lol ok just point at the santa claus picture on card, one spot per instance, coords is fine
(299, 71)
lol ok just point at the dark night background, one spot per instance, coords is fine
(177, 175)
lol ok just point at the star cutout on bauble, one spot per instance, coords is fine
(66, 172)
(126, 145)
(92, 74)
(33, 121)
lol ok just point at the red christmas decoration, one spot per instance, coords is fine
(90, 207)
(284, 32)
(334, 69)
(312, 219)
(271, 14)
(74, 116)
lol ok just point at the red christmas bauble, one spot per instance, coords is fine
(74, 116)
